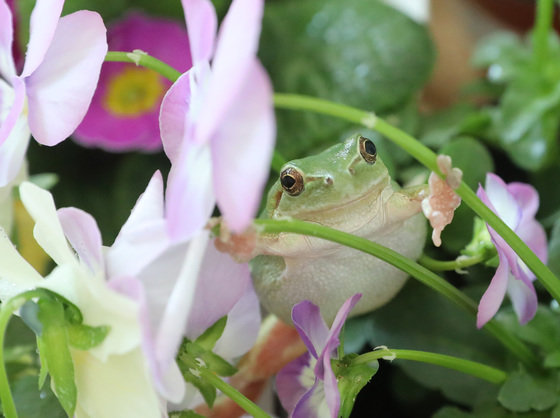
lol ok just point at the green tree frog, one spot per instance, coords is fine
(346, 187)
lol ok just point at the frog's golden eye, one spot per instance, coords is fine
(291, 181)
(368, 150)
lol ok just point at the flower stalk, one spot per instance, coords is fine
(543, 23)
(473, 368)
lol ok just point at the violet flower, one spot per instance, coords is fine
(53, 92)
(307, 387)
(124, 110)
(217, 120)
(516, 204)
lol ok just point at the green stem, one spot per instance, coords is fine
(140, 58)
(473, 368)
(457, 264)
(248, 406)
(8, 405)
(428, 158)
(543, 23)
(429, 278)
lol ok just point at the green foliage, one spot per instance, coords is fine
(33, 402)
(351, 379)
(522, 392)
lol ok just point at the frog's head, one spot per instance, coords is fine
(339, 176)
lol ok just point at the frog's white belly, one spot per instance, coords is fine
(331, 278)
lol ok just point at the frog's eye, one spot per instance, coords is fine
(368, 150)
(291, 181)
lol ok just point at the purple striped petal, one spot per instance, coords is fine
(7, 66)
(201, 20)
(60, 89)
(83, 234)
(294, 380)
(44, 20)
(242, 149)
(236, 49)
(312, 404)
(494, 295)
(310, 326)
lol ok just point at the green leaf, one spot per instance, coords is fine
(185, 414)
(84, 337)
(32, 402)
(54, 345)
(552, 360)
(505, 51)
(190, 374)
(421, 319)
(522, 392)
(29, 314)
(209, 337)
(211, 360)
(351, 379)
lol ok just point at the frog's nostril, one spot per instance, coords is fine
(329, 180)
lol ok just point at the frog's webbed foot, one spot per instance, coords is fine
(242, 247)
(442, 201)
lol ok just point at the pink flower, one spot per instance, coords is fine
(217, 121)
(307, 387)
(53, 92)
(516, 204)
(125, 107)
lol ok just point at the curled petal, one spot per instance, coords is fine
(47, 232)
(501, 200)
(44, 19)
(201, 20)
(332, 395)
(523, 298)
(310, 326)
(235, 53)
(60, 89)
(173, 116)
(11, 106)
(242, 149)
(312, 404)
(12, 151)
(83, 234)
(527, 199)
(494, 295)
(7, 67)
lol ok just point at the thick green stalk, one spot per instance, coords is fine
(543, 22)
(141, 58)
(473, 368)
(429, 278)
(457, 264)
(248, 406)
(428, 158)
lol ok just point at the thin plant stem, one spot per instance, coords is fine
(246, 404)
(543, 22)
(457, 264)
(473, 368)
(428, 158)
(141, 58)
(427, 277)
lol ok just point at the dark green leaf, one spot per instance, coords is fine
(207, 390)
(351, 379)
(34, 403)
(552, 360)
(209, 337)
(522, 392)
(55, 352)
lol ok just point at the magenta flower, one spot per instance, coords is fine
(516, 204)
(125, 107)
(53, 92)
(307, 387)
(217, 121)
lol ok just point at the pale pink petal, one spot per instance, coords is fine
(494, 295)
(503, 202)
(242, 150)
(189, 195)
(532, 233)
(332, 395)
(12, 151)
(83, 234)
(310, 326)
(201, 20)
(44, 19)
(7, 67)
(220, 285)
(11, 106)
(236, 50)
(47, 232)
(60, 89)
(173, 116)
(523, 298)
(291, 382)
(527, 199)
(242, 327)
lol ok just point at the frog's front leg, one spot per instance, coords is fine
(406, 202)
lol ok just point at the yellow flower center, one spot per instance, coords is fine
(133, 92)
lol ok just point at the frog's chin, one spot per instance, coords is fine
(353, 214)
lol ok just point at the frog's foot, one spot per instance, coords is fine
(442, 201)
(240, 246)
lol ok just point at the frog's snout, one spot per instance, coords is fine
(329, 181)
